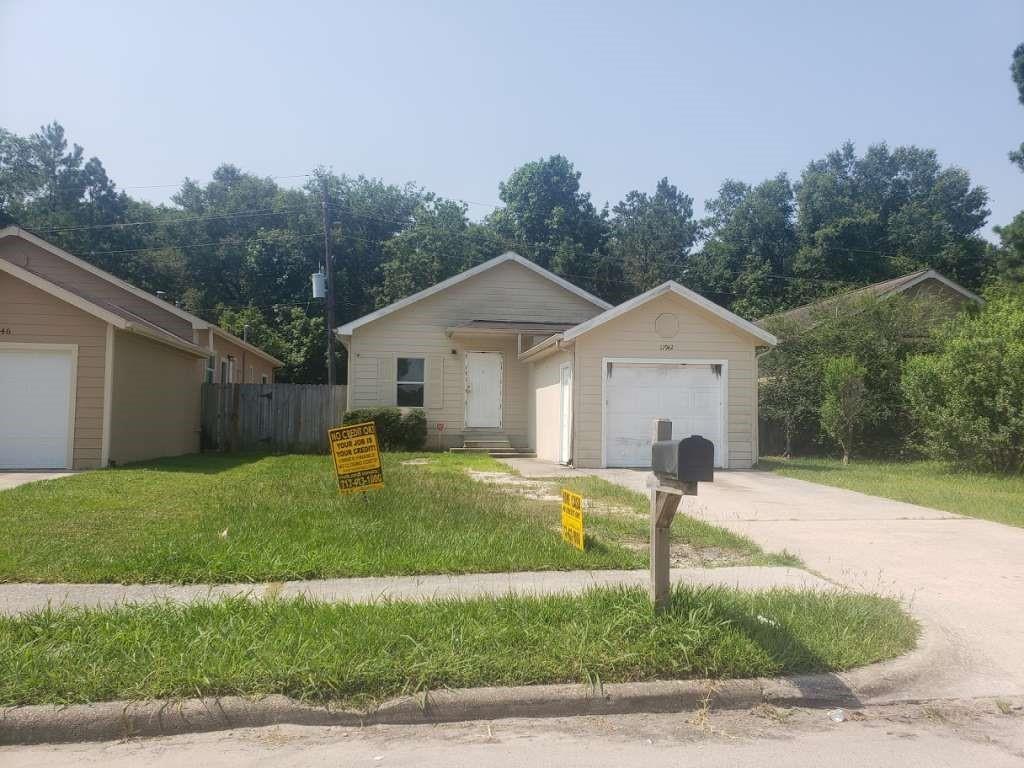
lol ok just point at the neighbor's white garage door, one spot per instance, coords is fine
(636, 394)
(35, 403)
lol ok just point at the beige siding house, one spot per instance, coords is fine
(94, 371)
(508, 353)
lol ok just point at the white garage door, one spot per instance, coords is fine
(35, 403)
(638, 393)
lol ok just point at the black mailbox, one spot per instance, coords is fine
(690, 460)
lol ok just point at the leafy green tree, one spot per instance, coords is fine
(290, 334)
(1010, 259)
(441, 242)
(789, 388)
(652, 236)
(886, 213)
(1017, 73)
(845, 401)
(548, 219)
(751, 240)
(968, 399)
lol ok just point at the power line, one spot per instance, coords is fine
(182, 220)
(181, 183)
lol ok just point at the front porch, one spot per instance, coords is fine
(496, 386)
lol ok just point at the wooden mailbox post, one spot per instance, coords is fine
(666, 494)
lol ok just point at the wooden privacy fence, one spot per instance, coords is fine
(275, 417)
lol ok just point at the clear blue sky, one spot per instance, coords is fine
(454, 95)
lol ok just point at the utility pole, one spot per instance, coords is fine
(330, 290)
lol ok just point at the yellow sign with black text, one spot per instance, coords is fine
(356, 457)
(572, 519)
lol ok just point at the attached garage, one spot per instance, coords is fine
(691, 393)
(85, 382)
(37, 406)
(666, 354)
(94, 371)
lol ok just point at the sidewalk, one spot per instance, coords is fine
(23, 598)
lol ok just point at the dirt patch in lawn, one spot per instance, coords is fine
(537, 490)
(623, 524)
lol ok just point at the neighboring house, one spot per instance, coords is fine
(95, 371)
(509, 353)
(943, 298)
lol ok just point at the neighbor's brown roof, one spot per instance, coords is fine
(807, 312)
(169, 330)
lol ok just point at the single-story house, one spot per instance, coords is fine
(942, 297)
(94, 370)
(509, 353)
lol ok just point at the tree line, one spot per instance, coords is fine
(239, 249)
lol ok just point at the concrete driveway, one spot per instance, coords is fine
(12, 479)
(963, 578)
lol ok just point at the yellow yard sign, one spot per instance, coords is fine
(356, 457)
(572, 518)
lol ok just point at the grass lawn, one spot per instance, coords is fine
(284, 519)
(357, 654)
(928, 483)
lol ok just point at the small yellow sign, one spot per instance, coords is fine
(572, 519)
(356, 457)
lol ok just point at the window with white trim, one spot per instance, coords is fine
(410, 382)
(211, 368)
(263, 379)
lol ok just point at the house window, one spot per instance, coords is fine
(226, 371)
(410, 382)
(263, 379)
(211, 368)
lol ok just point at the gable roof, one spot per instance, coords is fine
(880, 290)
(347, 328)
(197, 322)
(106, 311)
(683, 292)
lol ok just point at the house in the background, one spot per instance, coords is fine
(510, 356)
(940, 297)
(94, 370)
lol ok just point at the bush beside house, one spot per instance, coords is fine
(967, 400)
(396, 430)
(954, 392)
(879, 335)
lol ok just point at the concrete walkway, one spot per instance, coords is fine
(12, 479)
(22, 598)
(964, 578)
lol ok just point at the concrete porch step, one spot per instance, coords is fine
(489, 444)
(498, 453)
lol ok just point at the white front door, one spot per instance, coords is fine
(35, 408)
(483, 389)
(690, 395)
(565, 414)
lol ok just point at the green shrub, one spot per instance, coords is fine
(842, 409)
(396, 431)
(880, 334)
(968, 399)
